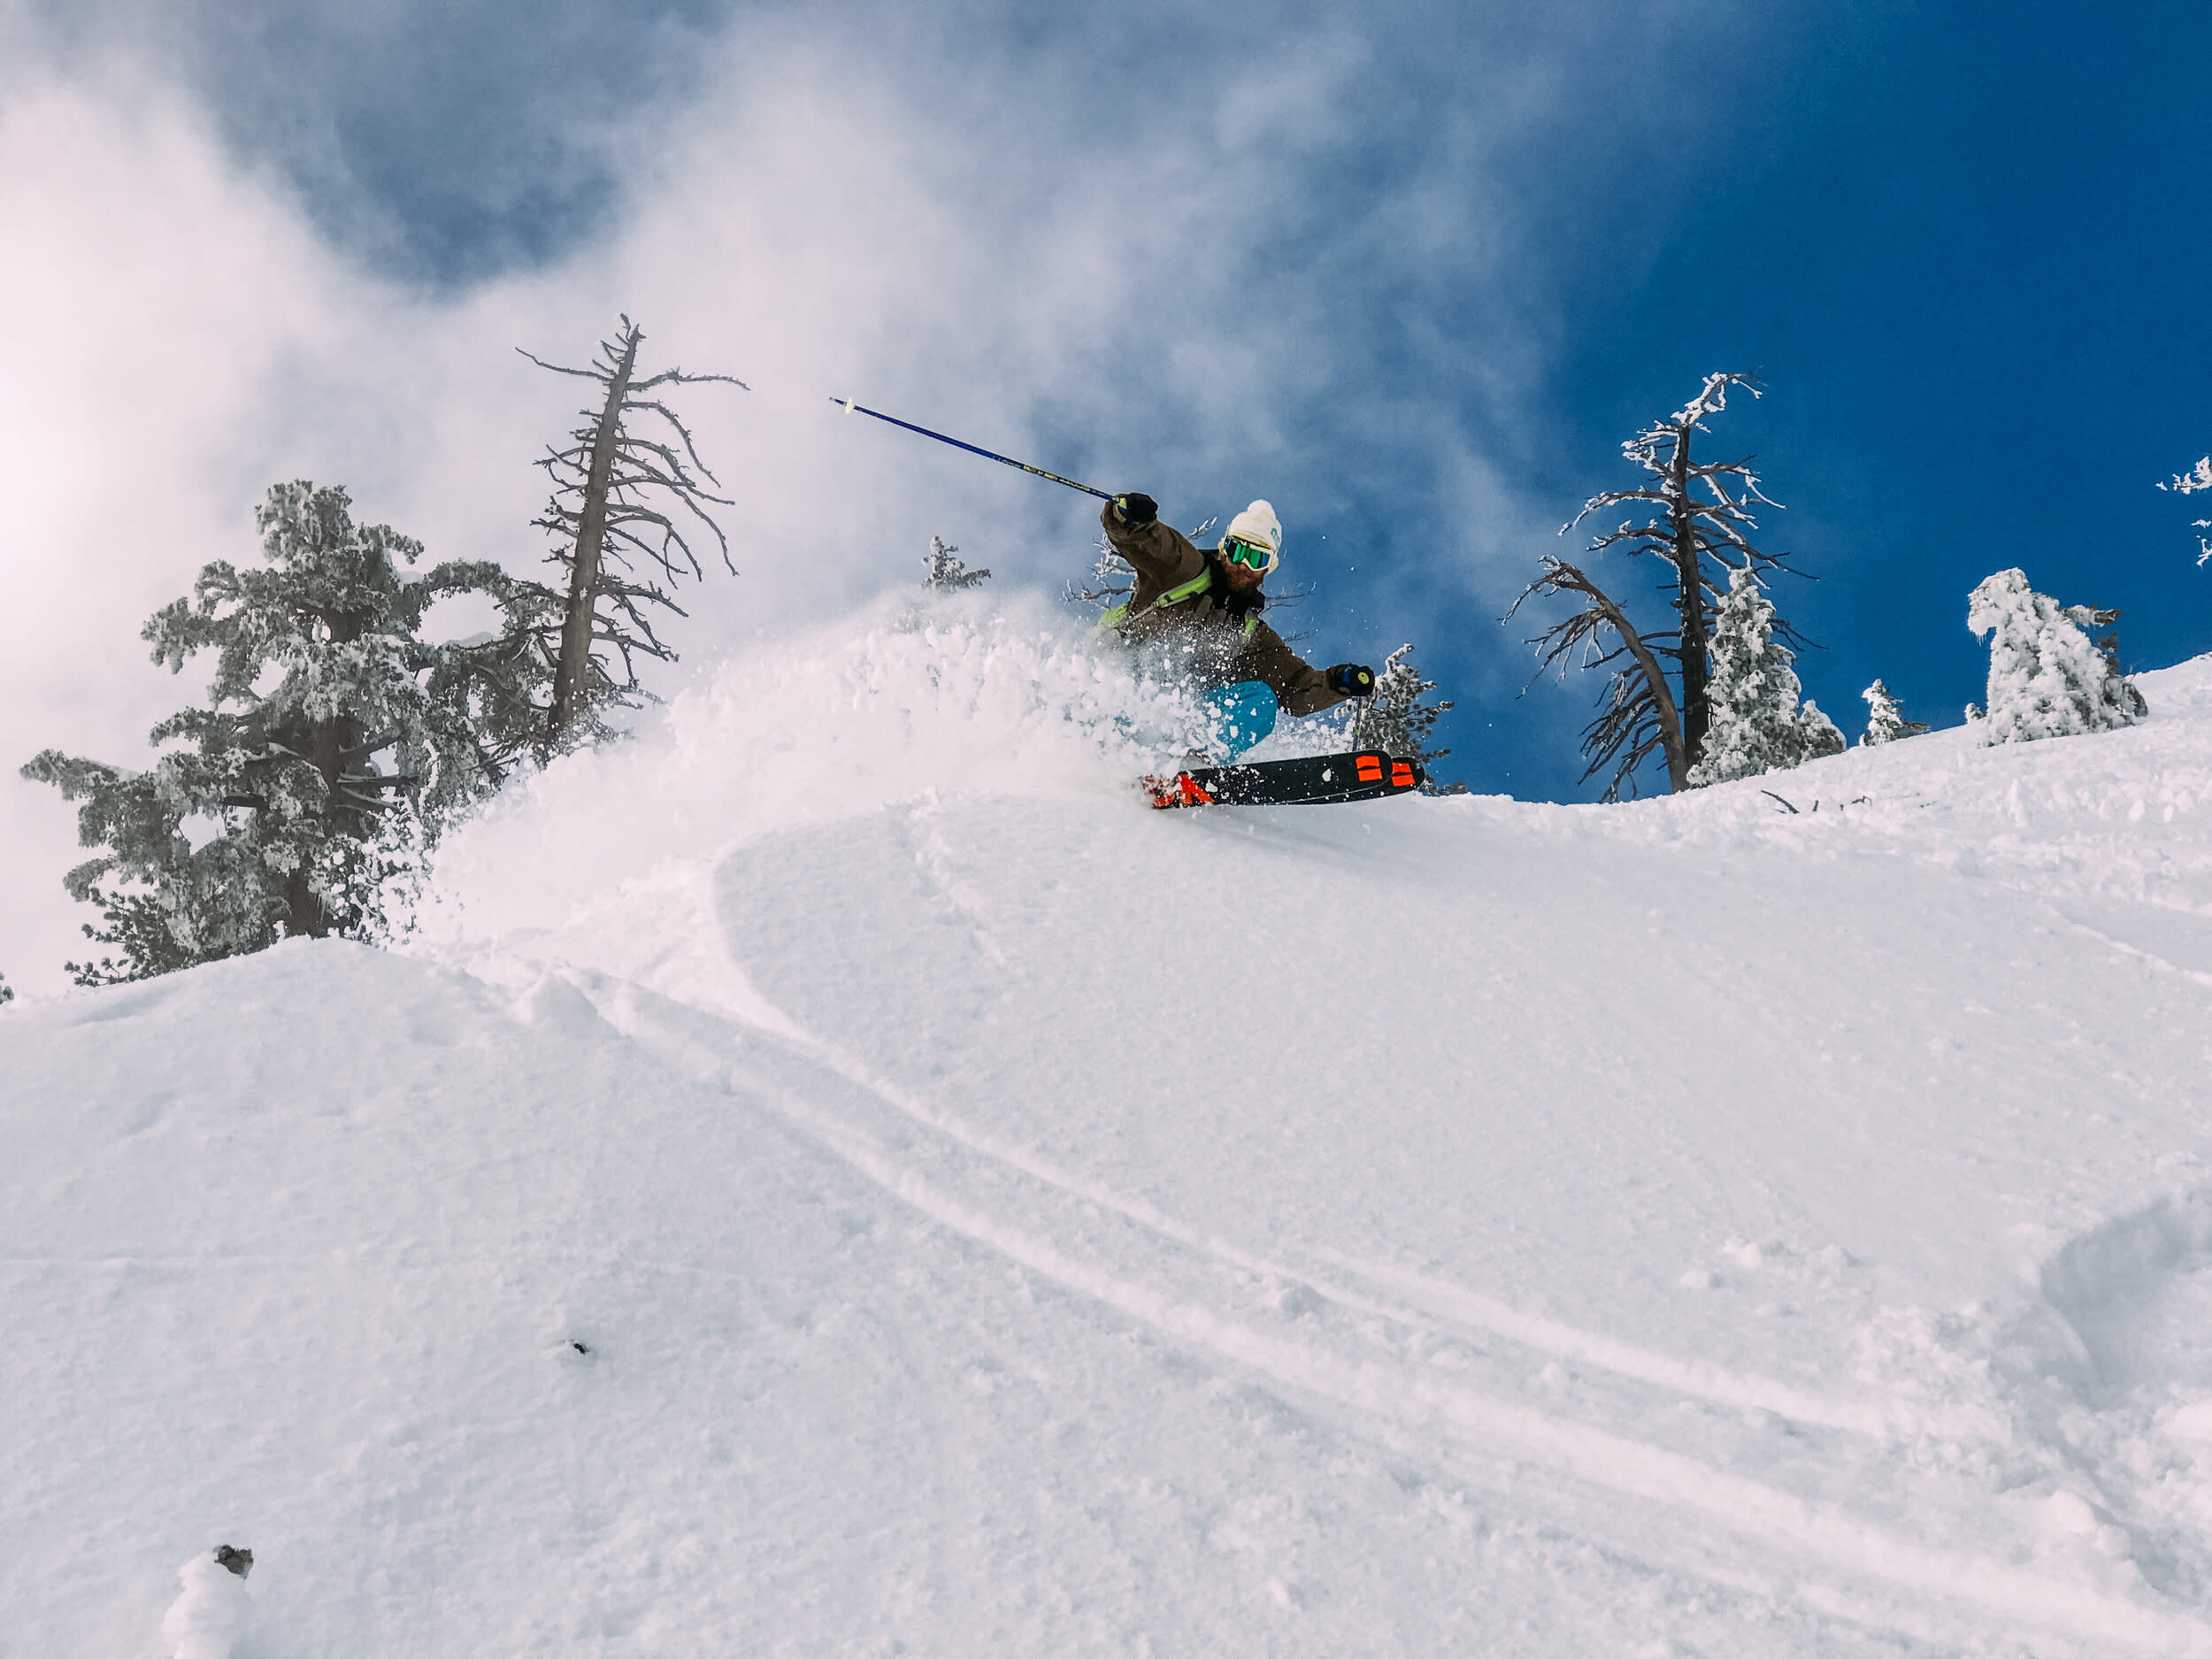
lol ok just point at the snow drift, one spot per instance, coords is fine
(839, 1174)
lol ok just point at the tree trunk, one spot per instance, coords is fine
(571, 676)
(1689, 604)
(328, 743)
(304, 917)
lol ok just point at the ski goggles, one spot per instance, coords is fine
(1253, 556)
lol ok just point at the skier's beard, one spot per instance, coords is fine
(1240, 605)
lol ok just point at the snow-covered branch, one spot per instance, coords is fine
(2199, 477)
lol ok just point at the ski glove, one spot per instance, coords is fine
(1353, 679)
(1137, 508)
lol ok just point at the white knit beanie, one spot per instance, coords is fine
(1257, 523)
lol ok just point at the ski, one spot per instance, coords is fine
(1307, 781)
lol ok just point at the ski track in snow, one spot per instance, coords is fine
(1392, 1393)
(1427, 1304)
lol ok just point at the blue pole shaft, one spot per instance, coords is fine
(850, 407)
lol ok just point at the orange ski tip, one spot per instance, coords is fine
(1181, 790)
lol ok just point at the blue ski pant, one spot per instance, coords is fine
(1240, 717)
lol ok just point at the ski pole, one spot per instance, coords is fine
(851, 408)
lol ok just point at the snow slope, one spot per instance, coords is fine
(839, 1176)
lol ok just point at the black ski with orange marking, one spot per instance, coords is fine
(1307, 781)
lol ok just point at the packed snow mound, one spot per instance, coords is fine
(840, 1174)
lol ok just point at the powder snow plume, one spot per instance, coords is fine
(957, 694)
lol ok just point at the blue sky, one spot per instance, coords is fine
(1412, 272)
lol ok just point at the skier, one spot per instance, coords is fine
(1204, 603)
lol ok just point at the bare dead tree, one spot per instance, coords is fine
(1637, 714)
(603, 516)
(1697, 521)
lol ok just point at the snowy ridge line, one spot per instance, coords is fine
(1693, 1377)
(1384, 1392)
(1380, 1390)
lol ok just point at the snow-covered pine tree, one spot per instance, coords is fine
(295, 826)
(2198, 476)
(2088, 617)
(1756, 724)
(1393, 718)
(2046, 678)
(7, 991)
(947, 574)
(605, 484)
(1821, 736)
(1885, 721)
(1696, 521)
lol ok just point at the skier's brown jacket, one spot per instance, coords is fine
(1210, 626)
